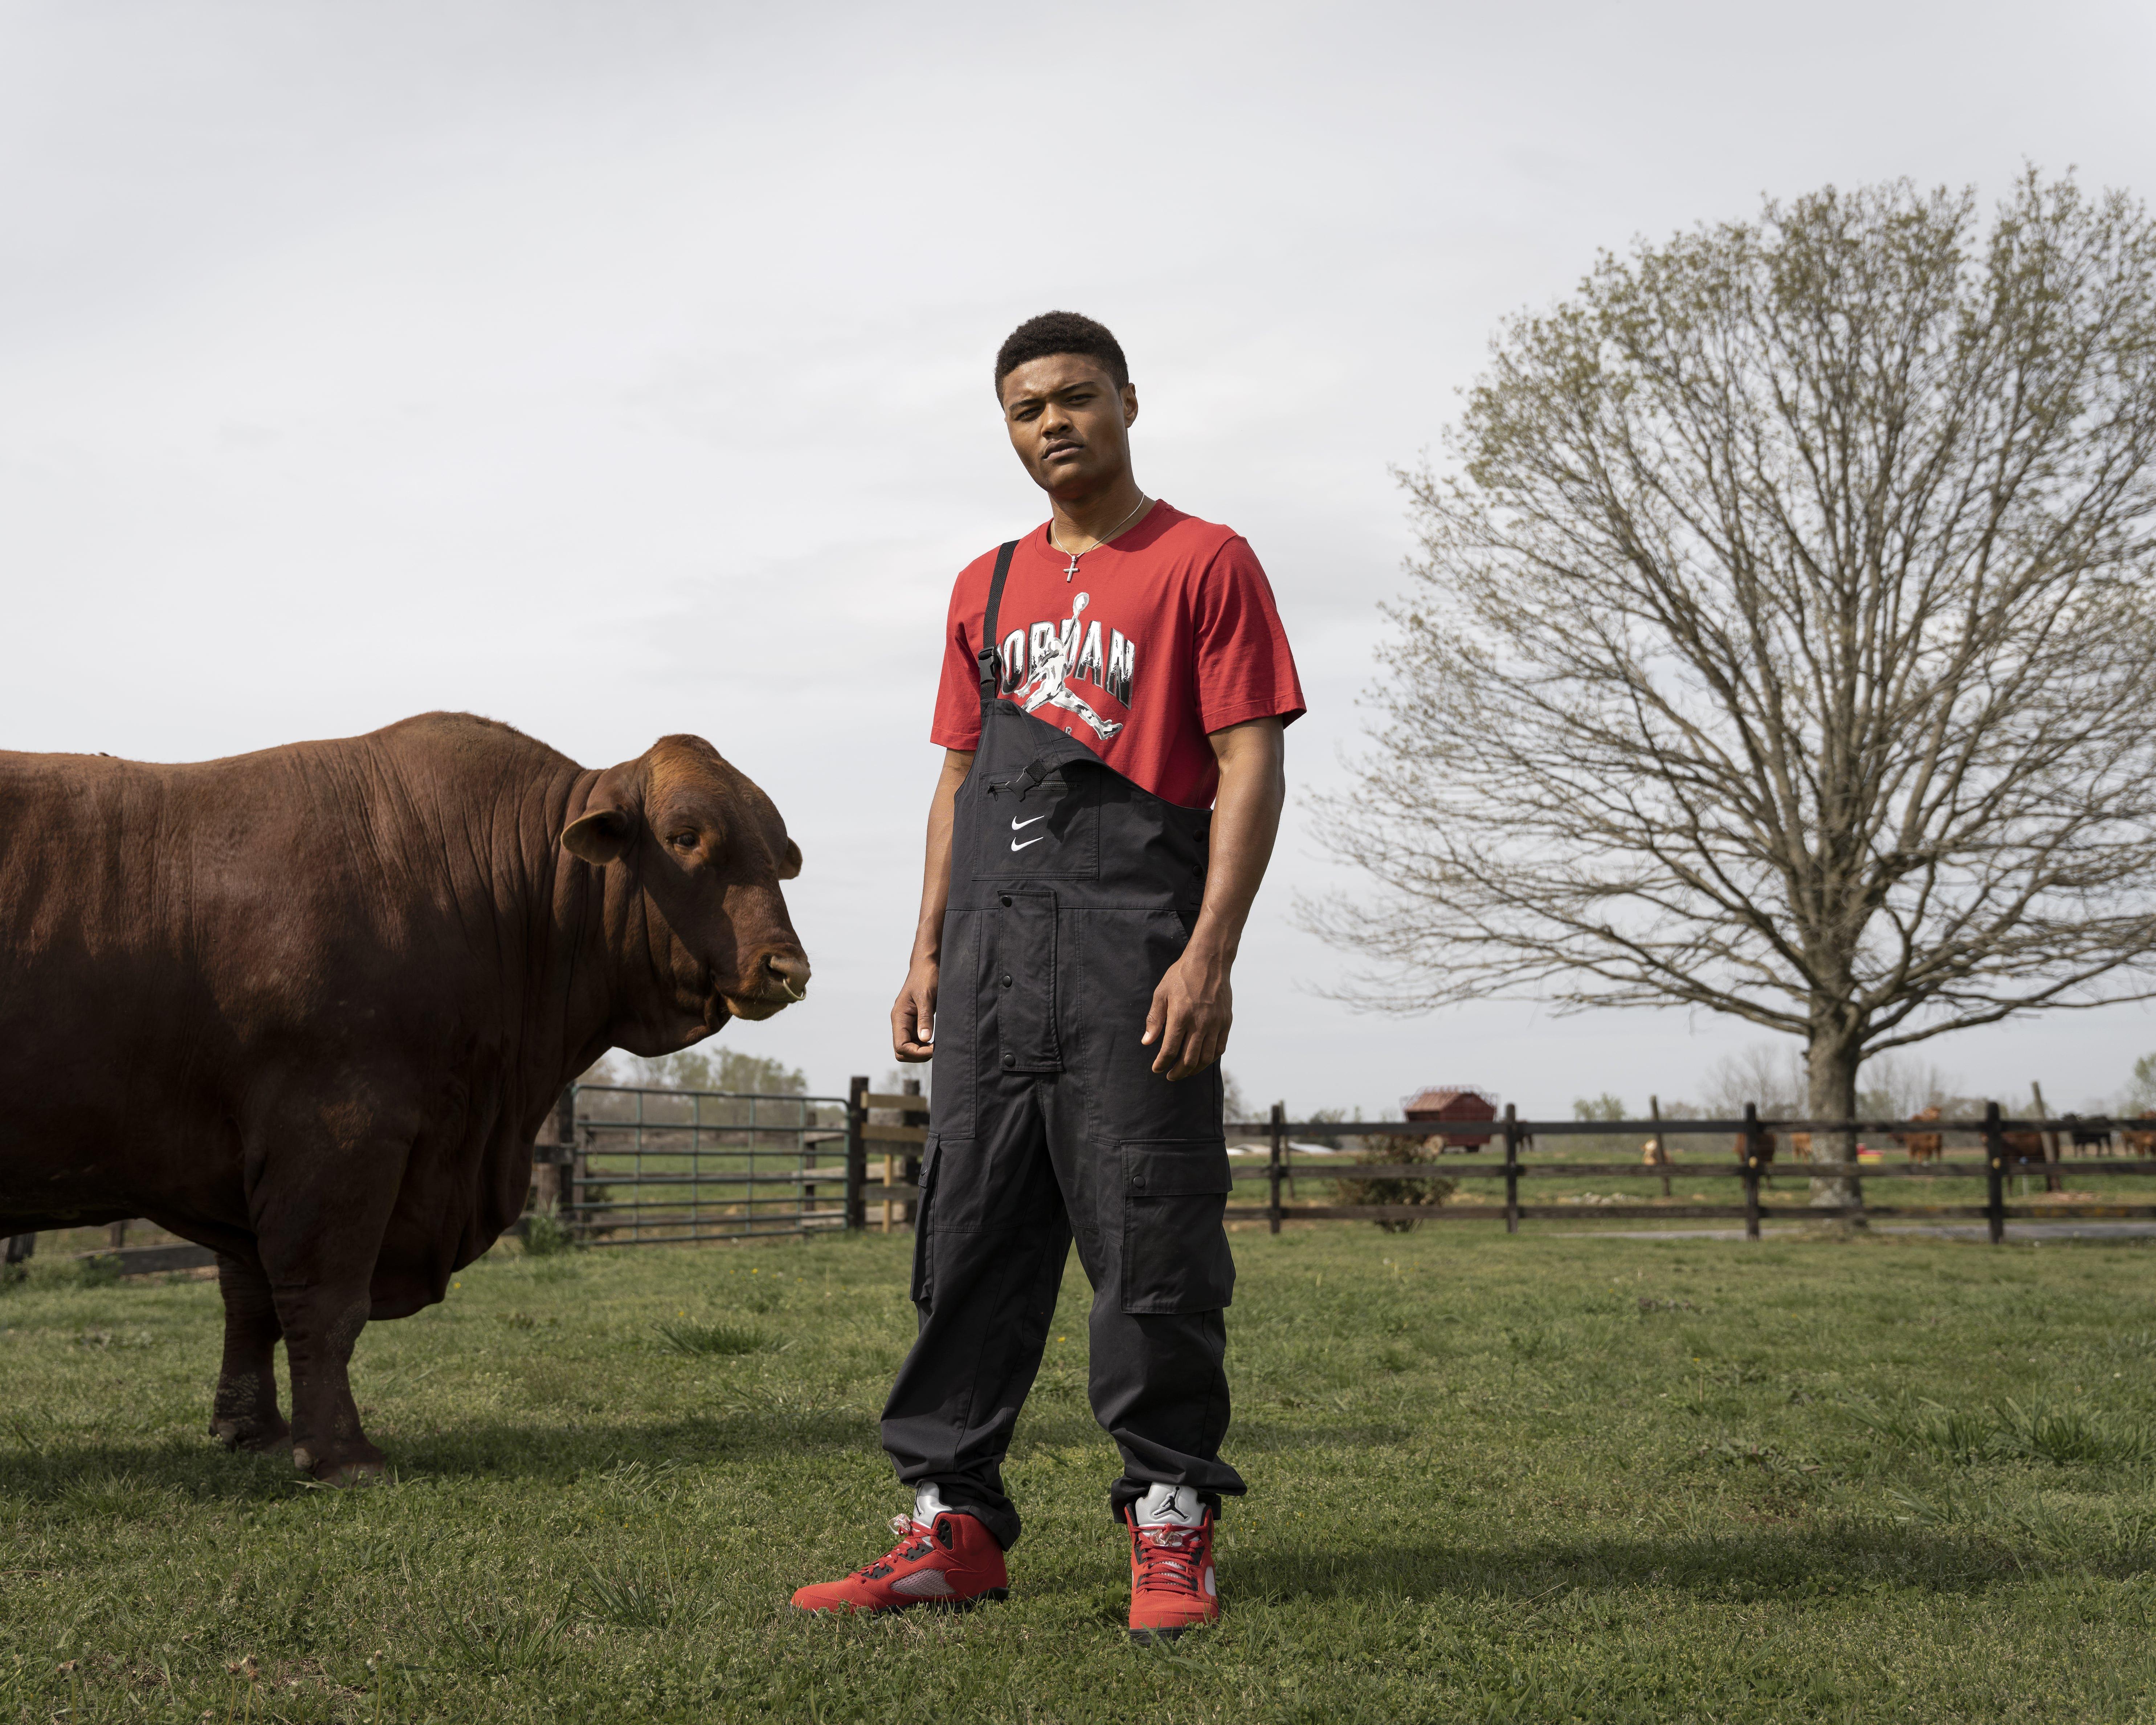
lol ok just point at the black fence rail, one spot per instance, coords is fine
(2007, 1148)
(653, 1167)
(621, 1165)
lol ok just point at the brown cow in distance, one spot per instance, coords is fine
(2024, 1147)
(1763, 1145)
(2140, 1144)
(342, 984)
(1922, 1147)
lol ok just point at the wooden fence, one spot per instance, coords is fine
(621, 1166)
(2003, 1145)
(882, 1171)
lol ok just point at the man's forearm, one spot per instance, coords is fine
(1193, 1008)
(935, 868)
(1246, 814)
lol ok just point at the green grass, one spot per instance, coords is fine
(1540, 1478)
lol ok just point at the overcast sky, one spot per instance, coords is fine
(621, 369)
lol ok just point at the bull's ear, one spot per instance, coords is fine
(599, 837)
(613, 811)
(789, 864)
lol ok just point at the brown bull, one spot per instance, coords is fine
(1922, 1147)
(340, 984)
(2022, 1148)
(1763, 1144)
(2140, 1143)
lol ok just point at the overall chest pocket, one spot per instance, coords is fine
(1020, 978)
(1045, 831)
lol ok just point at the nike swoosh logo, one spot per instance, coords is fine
(1019, 826)
(1020, 844)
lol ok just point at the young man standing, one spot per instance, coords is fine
(1115, 689)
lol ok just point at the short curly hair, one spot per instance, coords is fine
(1055, 332)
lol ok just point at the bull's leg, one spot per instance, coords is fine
(320, 1215)
(245, 1416)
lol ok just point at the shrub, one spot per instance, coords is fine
(544, 1236)
(1432, 1190)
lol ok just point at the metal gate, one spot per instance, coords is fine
(651, 1167)
(648, 1167)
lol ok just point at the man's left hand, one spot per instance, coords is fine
(1191, 1012)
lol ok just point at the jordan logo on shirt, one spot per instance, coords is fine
(1060, 652)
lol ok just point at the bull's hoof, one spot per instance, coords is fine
(256, 1437)
(360, 1470)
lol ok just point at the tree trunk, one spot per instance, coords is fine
(1831, 1062)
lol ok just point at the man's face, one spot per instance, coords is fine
(1070, 424)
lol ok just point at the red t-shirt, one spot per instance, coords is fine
(1166, 634)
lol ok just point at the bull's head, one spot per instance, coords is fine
(692, 853)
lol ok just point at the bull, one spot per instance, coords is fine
(309, 1008)
(1760, 1145)
(1922, 1147)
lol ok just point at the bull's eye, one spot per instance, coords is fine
(683, 841)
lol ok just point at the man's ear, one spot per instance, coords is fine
(789, 864)
(613, 813)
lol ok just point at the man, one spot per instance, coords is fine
(1114, 693)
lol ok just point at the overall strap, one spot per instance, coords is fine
(990, 653)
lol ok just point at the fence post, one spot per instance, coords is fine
(1511, 1172)
(2052, 1183)
(1995, 1173)
(1280, 1140)
(909, 1212)
(1751, 1171)
(857, 1154)
(1662, 1149)
(565, 1194)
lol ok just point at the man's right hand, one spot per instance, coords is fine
(913, 1014)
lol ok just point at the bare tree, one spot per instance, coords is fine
(1771, 1074)
(1783, 644)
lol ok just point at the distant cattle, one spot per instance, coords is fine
(2087, 1138)
(1922, 1147)
(2025, 1147)
(2143, 1143)
(309, 1008)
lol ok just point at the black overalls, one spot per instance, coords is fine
(1072, 890)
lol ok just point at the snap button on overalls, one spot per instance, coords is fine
(1072, 890)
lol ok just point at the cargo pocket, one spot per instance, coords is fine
(924, 1225)
(1175, 1247)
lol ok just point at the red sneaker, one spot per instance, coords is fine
(953, 1561)
(1172, 1586)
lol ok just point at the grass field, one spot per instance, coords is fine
(1540, 1478)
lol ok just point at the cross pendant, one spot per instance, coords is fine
(1072, 570)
